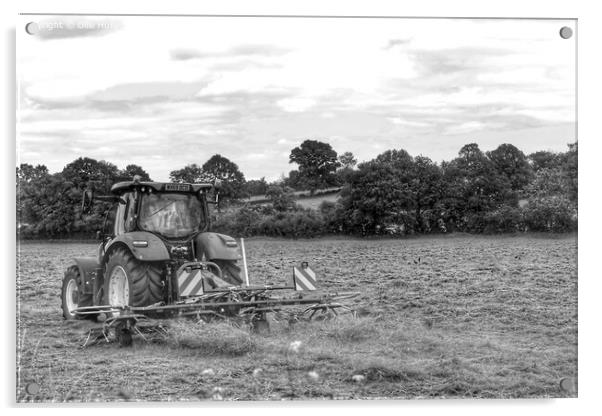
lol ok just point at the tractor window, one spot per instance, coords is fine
(171, 215)
(118, 219)
(130, 211)
(108, 228)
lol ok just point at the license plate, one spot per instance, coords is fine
(177, 187)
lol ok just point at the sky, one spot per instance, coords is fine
(164, 92)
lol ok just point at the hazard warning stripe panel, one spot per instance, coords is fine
(305, 278)
(190, 284)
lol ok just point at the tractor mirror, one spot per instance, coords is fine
(87, 201)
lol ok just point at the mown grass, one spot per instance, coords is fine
(217, 338)
(475, 318)
(393, 361)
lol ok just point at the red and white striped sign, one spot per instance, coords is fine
(304, 278)
(190, 283)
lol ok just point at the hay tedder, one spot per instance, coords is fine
(158, 260)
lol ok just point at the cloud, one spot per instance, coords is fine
(162, 99)
(296, 104)
(185, 54)
(66, 28)
(397, 42)
(461, 59)
(405, 122)
(258, 50)
(169, 90)
(237, 51)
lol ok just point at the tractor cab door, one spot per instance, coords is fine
(125, 216)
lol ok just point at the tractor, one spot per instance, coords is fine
(158, 258)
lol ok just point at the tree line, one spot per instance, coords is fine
(502, 190)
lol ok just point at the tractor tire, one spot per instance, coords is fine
(130, 282)
(71, 298)
(231, 272)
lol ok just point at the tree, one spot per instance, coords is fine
(552, 202)
(28, 178)
(132, 170)
(51, 206)
(373, 197)
(282, 197)
(392, 189)
(554, 213)
(192, 173)
(62, 196)
(484, 187)
(513, 164)
(569, 166)
(347, 160)
(219, 167)
(28, 173)
(317, 162)
(296, 181)
(473, 186)
(547, 182)
(256, 187)
(84, 171)
(400, 158)
(427, 187)
(560, 178)
(543, 159)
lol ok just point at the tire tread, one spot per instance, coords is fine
(145, 277)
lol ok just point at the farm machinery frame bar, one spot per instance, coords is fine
(252, 302)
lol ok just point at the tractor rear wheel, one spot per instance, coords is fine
(230, 271)
(71, 298)
(130, 282)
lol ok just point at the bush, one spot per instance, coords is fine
(282, 198)
(265, 221)
(472, 222)
(550, 213)
(506, 219)
(333, 216)
(298, 223)
(239, 223)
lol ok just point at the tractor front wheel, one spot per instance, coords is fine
(71, 298)
(130, 282)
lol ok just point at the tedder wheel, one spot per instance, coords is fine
(71, 298)
(230, 271)
(130, 282)
(124, 337)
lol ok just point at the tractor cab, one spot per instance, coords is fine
(171, 211)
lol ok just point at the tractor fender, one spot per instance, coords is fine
(217, 246)
(87, 267)
(154, 250)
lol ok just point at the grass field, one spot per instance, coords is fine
(451, 316)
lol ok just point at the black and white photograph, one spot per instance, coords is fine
(298, 208)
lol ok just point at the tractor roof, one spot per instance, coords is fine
(122, 187)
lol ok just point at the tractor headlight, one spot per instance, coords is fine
(182, 250)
